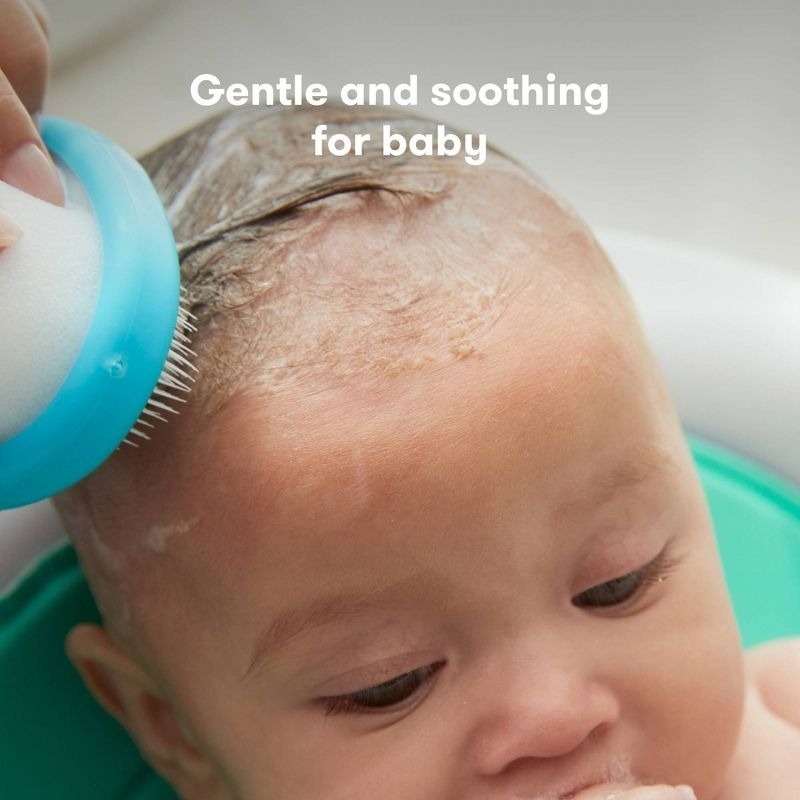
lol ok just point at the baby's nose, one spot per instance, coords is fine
(542, 712)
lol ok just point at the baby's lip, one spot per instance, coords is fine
(592, 790)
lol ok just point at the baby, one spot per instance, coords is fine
(428, 528)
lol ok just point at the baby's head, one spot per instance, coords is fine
(428, 527)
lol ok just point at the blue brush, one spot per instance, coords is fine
(134, 361)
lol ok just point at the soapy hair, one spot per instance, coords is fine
(249, 202)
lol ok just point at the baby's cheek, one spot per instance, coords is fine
(692, 690)
(302, 759)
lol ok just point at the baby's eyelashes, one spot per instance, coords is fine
(628, 587)
(391, 695)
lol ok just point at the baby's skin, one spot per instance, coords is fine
(488, 577)
(766, 762)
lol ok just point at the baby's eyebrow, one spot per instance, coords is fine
(645, 464)
(320, 611)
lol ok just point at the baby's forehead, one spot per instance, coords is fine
(527, 362)
(311, 483)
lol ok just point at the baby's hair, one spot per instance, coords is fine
(249, 202)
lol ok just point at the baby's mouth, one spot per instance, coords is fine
(590, 790)
(614, 776)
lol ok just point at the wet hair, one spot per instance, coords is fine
(250, 205)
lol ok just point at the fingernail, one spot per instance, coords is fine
(10, 232)
(29, 169)
(685, 792)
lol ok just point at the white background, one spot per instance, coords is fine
(699, 145)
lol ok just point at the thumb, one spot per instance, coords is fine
(24, 162)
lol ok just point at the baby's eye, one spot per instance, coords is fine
(384, 695)
(611, 593)
(619, 590)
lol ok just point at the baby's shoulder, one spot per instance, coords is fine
(774, 669)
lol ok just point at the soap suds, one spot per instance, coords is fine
(159, 535)
(110, 560)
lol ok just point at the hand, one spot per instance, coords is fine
(24, 63)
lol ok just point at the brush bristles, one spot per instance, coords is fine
(176, 379)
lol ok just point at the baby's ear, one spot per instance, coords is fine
(128, 693)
